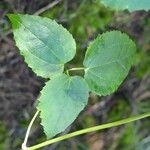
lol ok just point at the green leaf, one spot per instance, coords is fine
(62, 99)
(45, 45)
(107, 61)
(131, 5)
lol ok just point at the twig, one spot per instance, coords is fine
(40, 11)
(144, 96)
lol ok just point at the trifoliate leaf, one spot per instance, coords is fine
(131, 5)
(62, 99)
(45, 45)
(107, 61)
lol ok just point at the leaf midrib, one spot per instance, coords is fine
(108, 48)
(111, 62)
(39, 40)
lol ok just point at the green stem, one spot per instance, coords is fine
(24, 147)
(73, 69)
(96, 128)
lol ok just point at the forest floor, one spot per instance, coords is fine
(20, 87)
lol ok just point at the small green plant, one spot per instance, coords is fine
(46, 47)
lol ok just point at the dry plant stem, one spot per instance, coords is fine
(40, 11)
(24, 144)
(92, 129)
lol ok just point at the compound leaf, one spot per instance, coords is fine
(45, 45)
(107, 61)
(62, 99)
(131, 5)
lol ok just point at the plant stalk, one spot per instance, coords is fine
(24, 144)
(92, 129)
(74, 69)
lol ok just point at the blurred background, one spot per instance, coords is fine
(19, 86)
